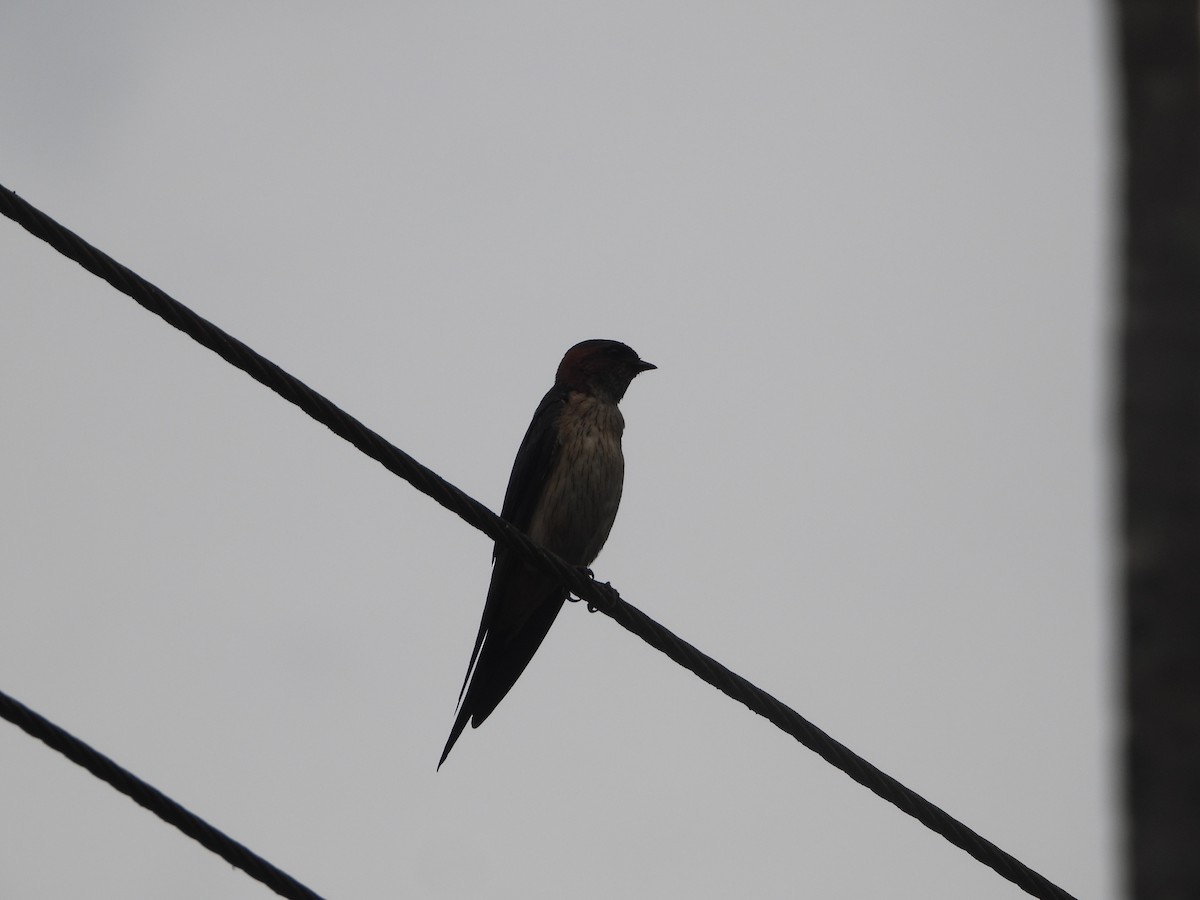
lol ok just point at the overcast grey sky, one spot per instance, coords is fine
(867, 246)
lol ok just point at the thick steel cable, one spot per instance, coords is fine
(476, 514)
(154, 800)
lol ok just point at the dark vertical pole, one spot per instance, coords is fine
(1159, 83)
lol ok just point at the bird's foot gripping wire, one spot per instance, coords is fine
(603, 586)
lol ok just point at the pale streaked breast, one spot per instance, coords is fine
(581, 496)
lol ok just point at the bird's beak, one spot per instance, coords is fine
(643, 366)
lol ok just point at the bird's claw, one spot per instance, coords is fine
(605, 586)
(584, 570)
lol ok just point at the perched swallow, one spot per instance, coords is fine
(563, 492)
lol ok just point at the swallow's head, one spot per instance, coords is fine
(599, 367)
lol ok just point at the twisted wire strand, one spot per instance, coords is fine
(154, 800)
(579, 581)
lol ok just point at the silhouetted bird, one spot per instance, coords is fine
(563, 492)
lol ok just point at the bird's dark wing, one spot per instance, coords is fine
(503, 648)
(535, 458)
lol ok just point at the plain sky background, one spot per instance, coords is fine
(868, 245)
